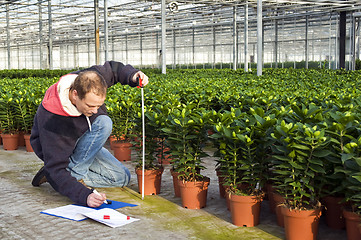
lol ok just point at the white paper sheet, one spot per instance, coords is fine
(107, 216)
(72, 212)
(110, 217)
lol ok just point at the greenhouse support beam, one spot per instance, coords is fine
(40, 36)
(336, 44)
(276, 44)
(329, 43)
(126, 48)
(306, 43)
(163, 53)
(141, 49)
(193, 47)
(234, 37)
(352, 43)
(357, 40)
(157, 51)
(96, 25)
(18, 56)
(342, 41)
(50, 48)
(246, 37)
(88, 42)
(106, 30)
(259, 38)
(8, 35)
(113, 48)
(214, 47)
(75, 50)
(174, 49)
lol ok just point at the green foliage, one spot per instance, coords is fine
(351, 159)
(308, 121)
(243, 147)
(186, 132)
(298, 153)
(358, 64)
(123, 107)
(31, 73)
(8, 120)
(19, 100)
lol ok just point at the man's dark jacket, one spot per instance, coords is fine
(55, 133)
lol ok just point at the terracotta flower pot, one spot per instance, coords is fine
(21, 140)
(152, 181)
(112, 139)
(227, 196)
(29, 148)
(278, 199)
(122, 151)
(352, 221)
(245, 210)
(301, 224)
(10, 141)
(175, 182)
(333, 212)
(194, 194)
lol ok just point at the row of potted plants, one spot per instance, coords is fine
(19, 99)
(297, 130)
(252, 135)
(300, 158)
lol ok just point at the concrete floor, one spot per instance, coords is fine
(161, 216)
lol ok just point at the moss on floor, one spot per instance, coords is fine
(198, 224)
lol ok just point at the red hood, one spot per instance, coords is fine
(51, 101)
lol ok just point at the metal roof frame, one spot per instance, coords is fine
(27, 22)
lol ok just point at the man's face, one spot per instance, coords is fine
(90, 104)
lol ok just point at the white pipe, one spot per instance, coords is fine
(259, 38)
(164, 70)
(246, 37)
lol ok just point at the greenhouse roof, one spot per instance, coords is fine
(72, 19)
(209, 29)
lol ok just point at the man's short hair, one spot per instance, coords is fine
(89, 81)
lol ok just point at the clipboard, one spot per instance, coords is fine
(78, 213)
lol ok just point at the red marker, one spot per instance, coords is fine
(140, 82)
(128, 218)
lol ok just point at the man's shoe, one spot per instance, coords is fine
(39, 178)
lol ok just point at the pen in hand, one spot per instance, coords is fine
(97, 193)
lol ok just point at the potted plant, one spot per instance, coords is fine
(351, 159)
(9, 123)
(298, 152)
(122, 110)
(341, 127)
(153, 170)
(242, 142)
(155, 120)
(25, 111)
(185, 133)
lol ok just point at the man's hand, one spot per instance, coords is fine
(94, 200)
(142, 76)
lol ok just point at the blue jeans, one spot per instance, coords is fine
(93, 163)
